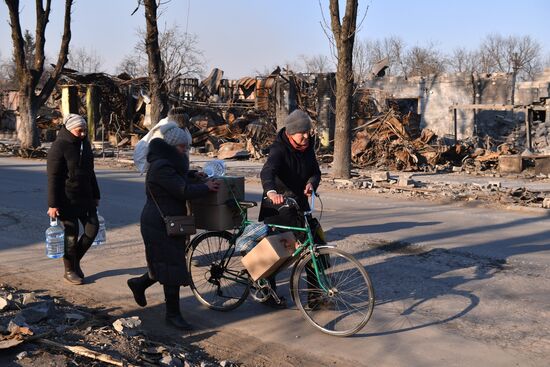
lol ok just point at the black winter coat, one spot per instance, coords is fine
(167, 179)
(288, 171)
(71, 177)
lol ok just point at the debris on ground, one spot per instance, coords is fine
(404, 183)
(43, 330)
(391, 141)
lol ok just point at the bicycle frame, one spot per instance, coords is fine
(307, 245)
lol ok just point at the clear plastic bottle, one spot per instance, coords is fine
(101, 237)
(215, 167)
(55, 240)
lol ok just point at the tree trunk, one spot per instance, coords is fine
(344, 37)
(28, 77)
(342, 134)
(157, 87)
(27, 131)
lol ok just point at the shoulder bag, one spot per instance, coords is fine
(177, 225)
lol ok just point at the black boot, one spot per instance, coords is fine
(70, 275)
(138, 286)
(173, 314)
(82, 249)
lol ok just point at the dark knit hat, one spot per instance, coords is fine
(297, 122)
(179, 116)
(73, 121)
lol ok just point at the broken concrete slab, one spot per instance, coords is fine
(170, 361)
(510, 164)
(405, 181)
(28, 298)
(38, 312)
(380, 176)
(343, 182)
(17, 325)
(4, 303)
(129, 326)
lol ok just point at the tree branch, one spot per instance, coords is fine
(335, 20)
(17, 38)
(62, 58)
(42, 17)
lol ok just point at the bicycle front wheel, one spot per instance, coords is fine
(218, 278)
(346, 305)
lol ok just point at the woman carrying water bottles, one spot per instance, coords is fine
(73, 192)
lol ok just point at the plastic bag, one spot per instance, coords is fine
(252, 234)
(142, 147)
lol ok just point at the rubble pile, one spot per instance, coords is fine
(392, 141)
(491, 192)
(49, 331)
(540, 135)
(7, 149)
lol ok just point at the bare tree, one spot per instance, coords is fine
(363, 56)
(517, 55)
(316, 64)
(131, 66)
(7, 70)
(179, 51)
(343, 30)
(155, 66)
(85, 61)
(368, 52)
(180, 54)
(520, 56)
(30, 100)
(422, 61)
(464, 61)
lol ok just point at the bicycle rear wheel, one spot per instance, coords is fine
(347, 304)
(218, 278)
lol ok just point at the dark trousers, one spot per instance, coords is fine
(291, 217)
(76, 247)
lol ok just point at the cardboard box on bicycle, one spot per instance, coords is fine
(215, 211)
(269, 254)
(229, 186)
(215, 217)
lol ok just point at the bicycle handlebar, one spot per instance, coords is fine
(291, 202)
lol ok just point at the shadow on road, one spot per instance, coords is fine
(376, 228)
(415, 287)
(111, 273)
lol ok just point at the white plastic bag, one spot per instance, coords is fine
(142, 147)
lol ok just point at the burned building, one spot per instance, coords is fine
(486, 105)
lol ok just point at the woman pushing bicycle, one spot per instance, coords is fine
(291, 170)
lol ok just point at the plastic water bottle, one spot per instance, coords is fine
(55, 240)
(101, 237)
(215, 167)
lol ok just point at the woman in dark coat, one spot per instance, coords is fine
(73, 193)
(291, 170)
(167, 183)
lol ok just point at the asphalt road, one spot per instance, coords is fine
(456, 285)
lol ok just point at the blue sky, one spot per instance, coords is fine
(242, 36)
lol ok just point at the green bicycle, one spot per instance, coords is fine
(330, 287)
